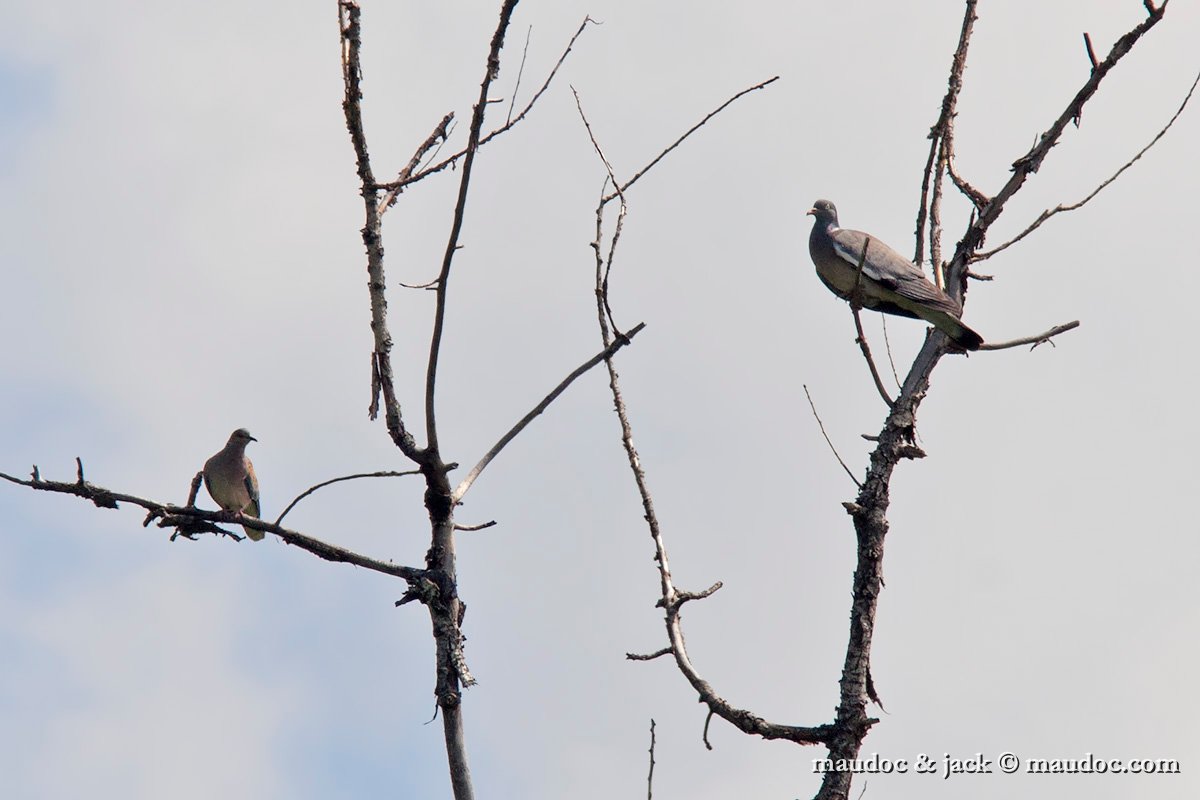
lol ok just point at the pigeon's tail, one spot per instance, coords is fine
(956, 329)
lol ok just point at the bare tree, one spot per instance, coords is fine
(435, 584)
(897, 439)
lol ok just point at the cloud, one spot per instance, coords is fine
(139, 690)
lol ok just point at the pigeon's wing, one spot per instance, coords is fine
(893, 272)
(252, 489)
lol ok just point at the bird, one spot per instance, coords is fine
(230, 480)
(889, 282)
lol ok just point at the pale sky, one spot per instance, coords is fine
(181, 257)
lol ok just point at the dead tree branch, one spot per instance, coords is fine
(403, 180)
(941, 153)
(1050, 212)
(188, 521)
(623, 209)
(895, 441)
(833, 449)
(672, 599)
(520, 73)
(481, 526)
(440, 134)
(887, 345)
(1035, 340)
(350, 25)
(460, 207)
(650, 776)
(1091, 53)
(1029, 163)
(521, 424)
(323, 484)
(638, 175)
(855, 306)
(861, 340)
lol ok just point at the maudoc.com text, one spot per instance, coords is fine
(1005, 763)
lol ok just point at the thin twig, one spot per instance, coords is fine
(855, 305)
(923, 206)
(1048, 213)
(650, 777)
(608, 167)
(941, 152)
(624, 208)
(608, 263)
(666, 651)
(603, 355)
(682, 596)
(520, 73)
(619, 190)
(935, 217)
(194, 489)
(460, 207)
(311, 489)
(450, 160)
(821, 425)
(856, 290)
(440, 133)
(376, 388)
(977, 198)
(887, 345)
(1035, 340)
(479, 527)
(688, 133)
(431, 285)
(1091, 54)
(866, 351)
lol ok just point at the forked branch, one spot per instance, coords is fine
(1050, 212)
(895, 441)
(671, 599)
(382, 377)
(403, 180)
(941, 152)
(456, 223)
(1029, 163)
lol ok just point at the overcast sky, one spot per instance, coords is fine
(181, 257)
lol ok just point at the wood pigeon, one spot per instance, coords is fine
(890, 283)
(230, 480)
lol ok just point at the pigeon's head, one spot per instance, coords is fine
(242, 437)
(825, 212)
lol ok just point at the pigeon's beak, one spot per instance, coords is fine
(811, 212)
(253, 439)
